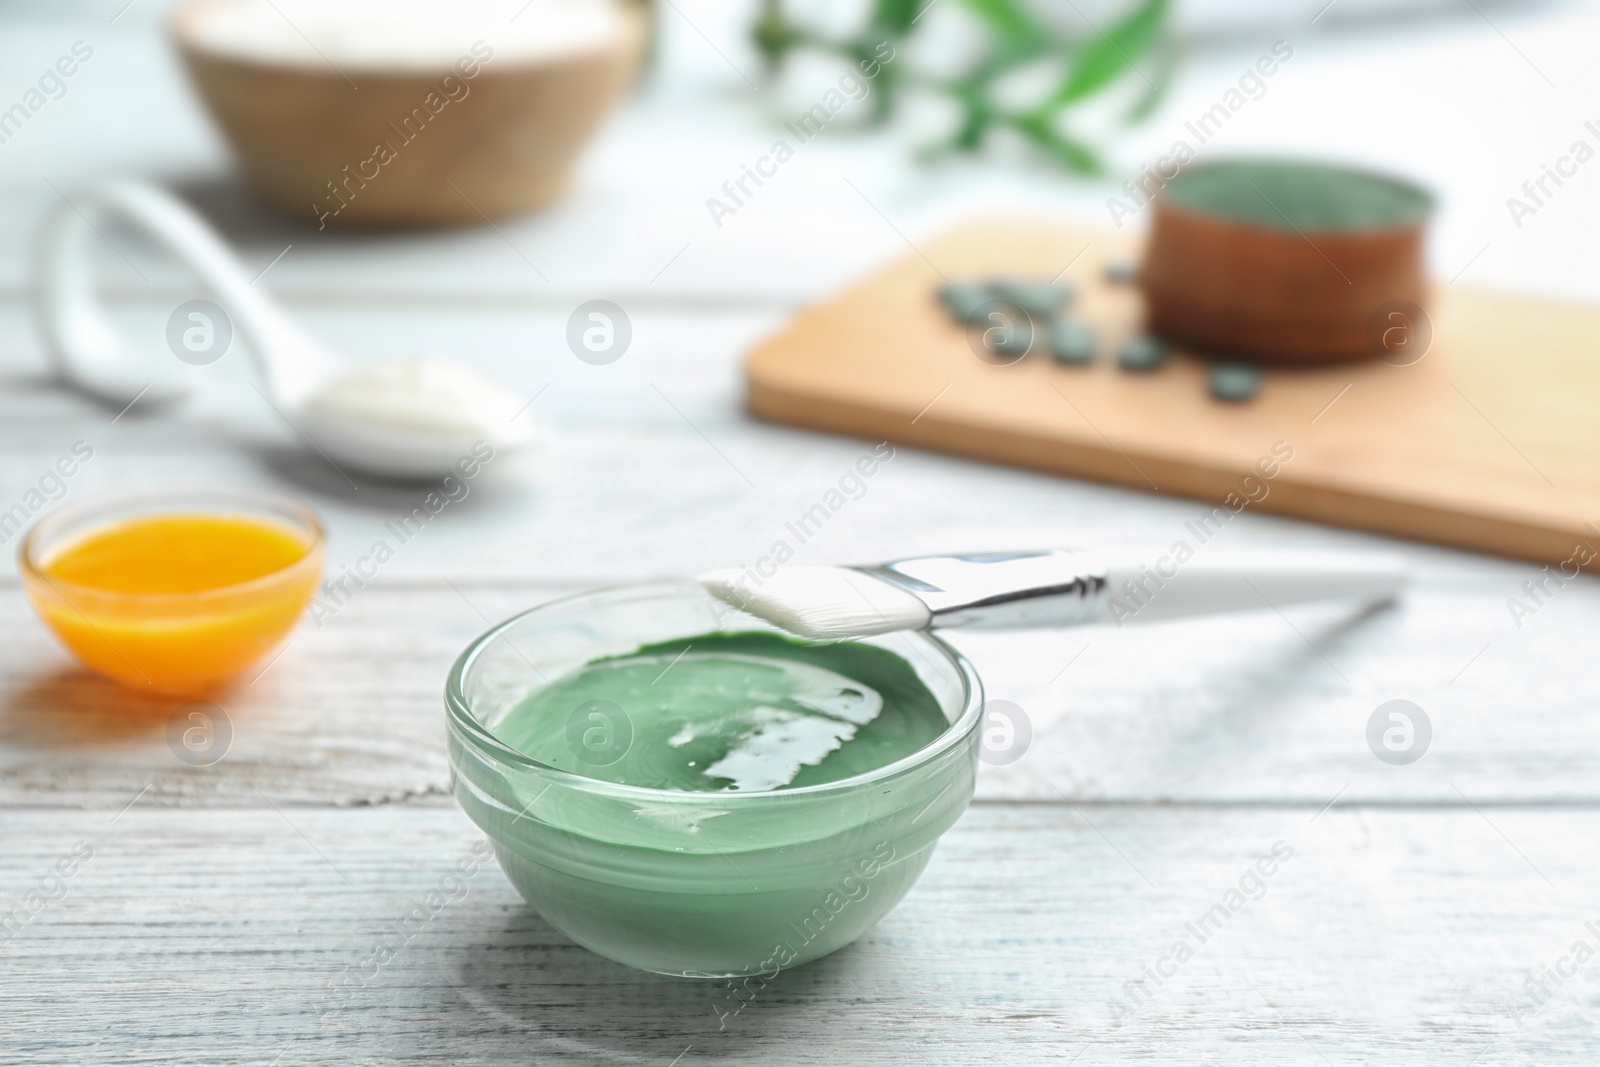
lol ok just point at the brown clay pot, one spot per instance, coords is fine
(1226, 286)
(306, 140)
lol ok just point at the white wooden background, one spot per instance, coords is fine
(222, 904)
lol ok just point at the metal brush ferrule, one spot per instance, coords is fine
(1005, 590)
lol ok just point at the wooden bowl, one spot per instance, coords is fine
(1278, 260)
(408, 141)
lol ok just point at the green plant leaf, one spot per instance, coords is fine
(1166, 67)
(896, 16)
(975, 122)
(1011, 38)
(1077, 155)
(773, 35)
(1041, 128)
(1006, 17)
(1110, 53)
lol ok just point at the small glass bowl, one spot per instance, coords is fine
(709, 885)
(175, 643)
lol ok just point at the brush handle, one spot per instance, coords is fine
(1058, 587)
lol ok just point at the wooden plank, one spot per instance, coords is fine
(633, 459)
(654, 442)
(253, 937)
(1236, 710)
(608, 434)
(350, 712)
(1484, 444)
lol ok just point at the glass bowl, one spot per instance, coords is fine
(176, 643)
(712, 885)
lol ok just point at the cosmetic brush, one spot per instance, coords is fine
(1048, 588)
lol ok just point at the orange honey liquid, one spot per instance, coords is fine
(177, 603)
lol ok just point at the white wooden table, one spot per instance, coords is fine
(230, 913)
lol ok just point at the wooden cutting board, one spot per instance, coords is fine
(1490, 442)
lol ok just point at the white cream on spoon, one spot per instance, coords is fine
(400, 417)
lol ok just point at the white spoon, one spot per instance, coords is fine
(413, 417)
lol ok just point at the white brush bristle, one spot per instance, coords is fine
(821, 602)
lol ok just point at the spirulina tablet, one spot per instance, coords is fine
(963, 300)
(1015, 339)
(1234, 382)
(1121, 272)
(1071, 341)
(1039, 299)
(1142, 354)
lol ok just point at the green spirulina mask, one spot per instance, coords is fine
(729, 804)
(727, 713)
(1285, 194)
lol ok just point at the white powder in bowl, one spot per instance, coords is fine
(410, 34)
